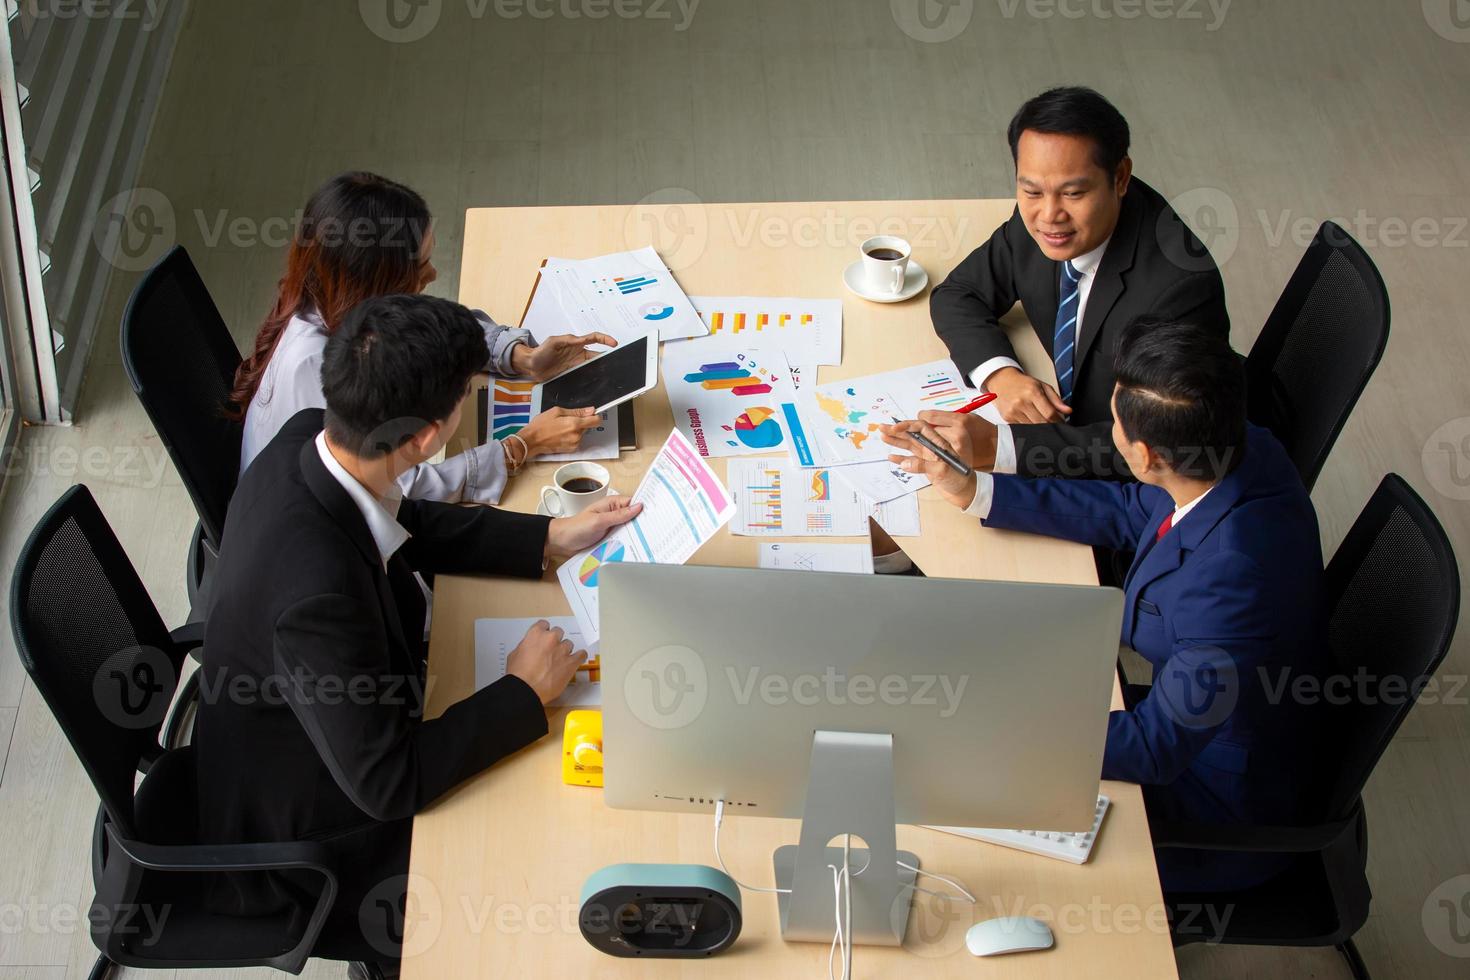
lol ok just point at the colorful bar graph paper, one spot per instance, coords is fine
(767, 498)
(942, 391)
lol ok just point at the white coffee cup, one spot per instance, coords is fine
(560, 501)
(885, 263)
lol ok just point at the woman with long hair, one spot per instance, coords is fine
(361, 236)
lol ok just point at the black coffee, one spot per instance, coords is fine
(582, 484)
(885, 254)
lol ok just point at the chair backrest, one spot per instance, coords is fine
(1318, 348)
(94, 645)
(1394, 593)
(181, 360)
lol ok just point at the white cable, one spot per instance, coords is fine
(843, 909)
(847, 902)
(719, 819)
(841, 901)
(948, 881)
(836, 904)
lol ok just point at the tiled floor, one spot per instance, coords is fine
(1274, 115)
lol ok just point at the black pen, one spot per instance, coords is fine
(950, 459)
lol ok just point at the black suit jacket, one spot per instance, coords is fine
(311, 693)
(1153, 265)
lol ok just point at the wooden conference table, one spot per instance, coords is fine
(498, 864)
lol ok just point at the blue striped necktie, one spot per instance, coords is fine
(1064, 341)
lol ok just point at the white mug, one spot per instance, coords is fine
(561, 502)
(885, 271)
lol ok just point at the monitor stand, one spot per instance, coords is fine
(849, 791)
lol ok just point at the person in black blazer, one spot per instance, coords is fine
(312, 690)
(1086, 235)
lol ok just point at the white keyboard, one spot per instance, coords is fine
(1073, 847)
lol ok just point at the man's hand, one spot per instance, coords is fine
(557, 355)
(545, 661)
(958, 490)
(1021, 398)
(568, 535)
(973, 435)
(558, 430)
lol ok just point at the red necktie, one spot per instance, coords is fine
(1164, 527)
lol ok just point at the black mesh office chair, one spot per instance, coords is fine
(1318, 348)
(1394, 589)
(181, 360)
(98, 653)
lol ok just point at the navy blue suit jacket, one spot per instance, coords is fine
(1228, 608)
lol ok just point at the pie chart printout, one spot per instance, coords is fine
(606, 553)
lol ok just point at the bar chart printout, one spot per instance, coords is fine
(808, 331)
(774, 498)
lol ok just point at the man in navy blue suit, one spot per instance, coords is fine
(1225, 598)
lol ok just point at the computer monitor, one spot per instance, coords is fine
(854, 702)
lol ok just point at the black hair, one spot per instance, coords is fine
(1074, 111)
(396, 364)
(1181, 391)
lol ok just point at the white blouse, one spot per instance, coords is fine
(293, 381)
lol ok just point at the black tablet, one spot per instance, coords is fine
(624, 372)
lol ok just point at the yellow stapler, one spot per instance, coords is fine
(581, 749)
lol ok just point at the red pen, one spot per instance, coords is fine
(980, 402)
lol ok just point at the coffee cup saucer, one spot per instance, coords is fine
(914, 281)
(541, 510)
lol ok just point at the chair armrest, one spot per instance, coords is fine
(188, 637)
(275, 856)
(1253, 839)
(282, 856)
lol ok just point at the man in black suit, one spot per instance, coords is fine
(312, 690)
(1089, 249)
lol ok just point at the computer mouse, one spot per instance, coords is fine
(1008, 934)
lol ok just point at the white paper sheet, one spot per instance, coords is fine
(730, 403)
(774, 498)
(809, 331)
(841, 421)
(882, 481)
(684, 504)
(624, 294)
(830, 557)
(544, 316)
(496, 638)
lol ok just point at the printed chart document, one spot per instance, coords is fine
(514, 403)
(731, 403)
(808, 331)
(496, 638)
(881, 482)
(842, 419)
(773, 498)
(833, 557)
(544, 316)
(625, 294)
(684, 504)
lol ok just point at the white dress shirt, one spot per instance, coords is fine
(985, 495)
(293, 381)
(381, 515)
(1005, 443)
